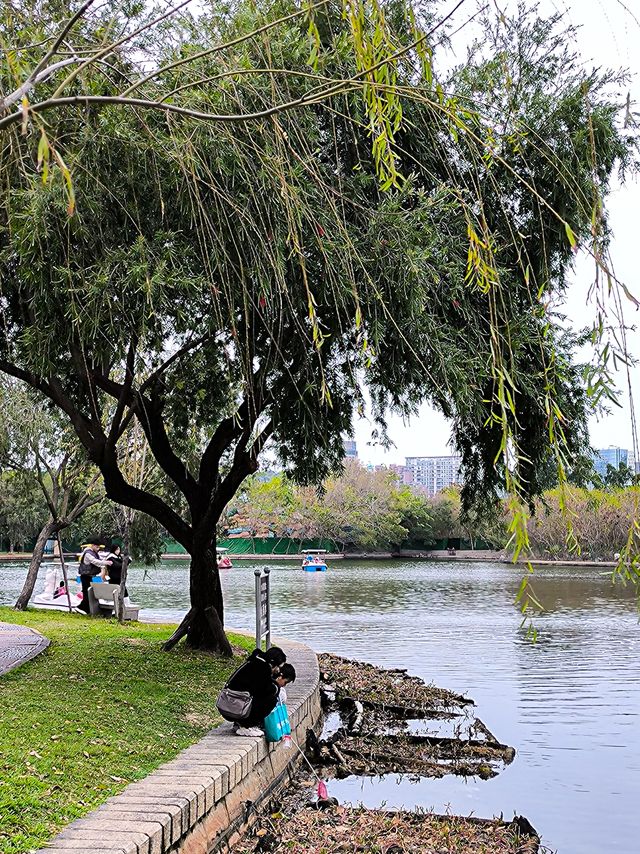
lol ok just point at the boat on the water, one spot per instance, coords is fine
(223, 559)
(54, 596)
(313, 560)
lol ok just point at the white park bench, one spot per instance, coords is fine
(103, 601)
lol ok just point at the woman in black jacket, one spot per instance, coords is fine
(115, 570)
(257, 676)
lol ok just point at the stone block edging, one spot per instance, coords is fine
(19, 644)
(196, 802)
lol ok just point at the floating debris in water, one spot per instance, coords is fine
(385, 721)
(346, 829)
(389, 690)
(380, 722)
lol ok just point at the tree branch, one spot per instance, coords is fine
(116, 486)
(313, 97)
(226, 431)
(78, 509)
(149, 414)
(220, 47)
(90, 434)
(54, 391)
(59, 39)
(41, 71)
(233, 427)
(111, 47)
(51, 504)
(190, 345)
(19, 93)
(152, 423)
(122, 492)
(106, 100)
(125, 392)
(244, 463)
(43, 460)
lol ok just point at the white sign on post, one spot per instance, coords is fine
(263, 607)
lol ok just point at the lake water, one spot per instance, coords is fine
(569, 704)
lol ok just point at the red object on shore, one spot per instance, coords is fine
(322, 791)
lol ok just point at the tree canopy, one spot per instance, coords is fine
(232, 283)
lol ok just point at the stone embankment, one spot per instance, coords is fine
(205, 796)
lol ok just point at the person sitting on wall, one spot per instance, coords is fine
(257, 676)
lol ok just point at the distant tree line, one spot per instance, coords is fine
(359, 510)
(363, 510)
(601, 522)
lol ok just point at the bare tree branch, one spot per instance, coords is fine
(66, 29)
(220, 47)
(111, 47)
(19, 93)
(48, 497)
(316, 95)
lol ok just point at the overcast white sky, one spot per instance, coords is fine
(608, 36)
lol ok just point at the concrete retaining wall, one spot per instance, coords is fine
(199, 800)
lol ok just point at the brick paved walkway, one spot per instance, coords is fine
(19, 644)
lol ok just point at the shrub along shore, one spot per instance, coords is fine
(103, 706)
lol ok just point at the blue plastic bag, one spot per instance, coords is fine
(276, 724)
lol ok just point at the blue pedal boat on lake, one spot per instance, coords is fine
(313, 560)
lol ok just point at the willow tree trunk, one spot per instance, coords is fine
(206, 629)
(50, 528)
(204, 623)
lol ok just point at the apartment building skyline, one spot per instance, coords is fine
(432, 473)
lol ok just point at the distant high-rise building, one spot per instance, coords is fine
(434, 473)
(403, 474)
(350, 449)
(610, 456)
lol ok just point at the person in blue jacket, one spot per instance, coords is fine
(257, 676)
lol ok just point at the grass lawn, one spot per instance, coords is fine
(101, 707)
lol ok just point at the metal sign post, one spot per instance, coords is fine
(64, 571)
(263, 607)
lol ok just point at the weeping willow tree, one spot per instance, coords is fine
(227, 229)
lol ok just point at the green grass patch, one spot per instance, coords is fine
(101, 707)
